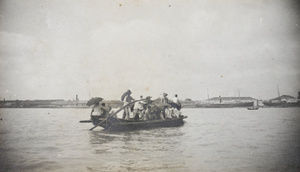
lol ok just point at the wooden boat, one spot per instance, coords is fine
(112, 123)
(115, 124)
(255, 106)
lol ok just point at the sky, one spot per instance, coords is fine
(54, 49)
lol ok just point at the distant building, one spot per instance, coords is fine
(27, 103)
(283, 101)
(283, 98)
(70, 104)
(226, 102)
(231, 99)
(188, 103)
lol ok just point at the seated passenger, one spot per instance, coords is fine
(174, 112)
(96, 110)
(144, 115)
(154, 113)
(104, 110)
(137, 109)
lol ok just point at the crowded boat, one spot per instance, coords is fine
(137, 113)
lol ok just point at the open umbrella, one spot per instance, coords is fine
(94, 101)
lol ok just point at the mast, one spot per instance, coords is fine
(207, 95)
(278, 91)
(239, 94)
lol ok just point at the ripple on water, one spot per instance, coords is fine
(210, 140)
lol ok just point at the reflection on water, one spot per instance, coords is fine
(142, 150)
(210, 140)
(142, 140)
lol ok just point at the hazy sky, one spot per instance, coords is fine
(57, 49)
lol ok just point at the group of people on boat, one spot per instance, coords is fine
(142, 109)
(147, 109)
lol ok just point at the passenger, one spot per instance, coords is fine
(138, 108)
(168, 112)
(175, 99)
(126, 98)
(175, 111)
(171, 112)
(164, 100)
(153, 112)
(147, 115)
(104, 110)
(112, 114)
(96, 110)
(162, 114)
(100, 111)
(144, 113)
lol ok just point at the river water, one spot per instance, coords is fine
(210, 140)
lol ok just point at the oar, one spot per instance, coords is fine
(98, 124)
(85, 121)
(117, 112)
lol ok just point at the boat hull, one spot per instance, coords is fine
(114, 124)
(253, 108)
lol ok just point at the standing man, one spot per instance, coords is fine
(164, 100)
(126, 98)
(175, 100)
(176, 106)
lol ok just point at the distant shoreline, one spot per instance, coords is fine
(216, 102)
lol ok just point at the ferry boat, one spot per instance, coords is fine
(115, 124)
(112, 123)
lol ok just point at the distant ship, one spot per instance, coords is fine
(283, 101)
(227, 102)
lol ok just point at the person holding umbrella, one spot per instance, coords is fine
(96, 106)
(100, 110)
(96, 110)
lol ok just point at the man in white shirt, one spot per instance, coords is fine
(175, 99)
(175, 110)
(138, 108)
(100, 110)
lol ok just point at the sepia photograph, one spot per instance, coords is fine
(149, 86)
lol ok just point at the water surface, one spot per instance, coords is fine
(210, 140)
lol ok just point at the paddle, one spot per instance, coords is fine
(85, 121)
(98, 124)
(117, 112)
